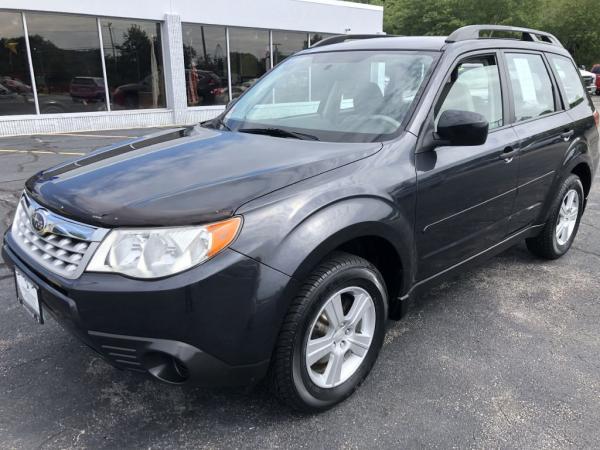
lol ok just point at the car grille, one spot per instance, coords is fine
(589, 80)
(63, 246)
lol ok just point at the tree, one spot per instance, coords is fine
(574, 22)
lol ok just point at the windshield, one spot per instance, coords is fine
(357, 96)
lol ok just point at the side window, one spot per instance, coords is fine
(569, 79)
(474, 86)
(531, 86)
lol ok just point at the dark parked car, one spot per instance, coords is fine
(12, 102)
(208, 86)
(144, 94)
(277, 239)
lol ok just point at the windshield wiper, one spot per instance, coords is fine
(216, 124)
(221, 123)
(279, 132)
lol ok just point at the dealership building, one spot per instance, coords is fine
(69, 65)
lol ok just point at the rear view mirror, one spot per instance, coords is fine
(462, 127)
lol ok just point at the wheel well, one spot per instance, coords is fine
(585, 175)
(379, 252)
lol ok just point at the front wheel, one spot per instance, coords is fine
(559, 232)
(331, 335)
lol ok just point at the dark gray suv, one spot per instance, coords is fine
(277, 239)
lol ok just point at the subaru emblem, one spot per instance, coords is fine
(38, 220)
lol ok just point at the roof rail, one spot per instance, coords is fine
(347, 37)
(527, 34)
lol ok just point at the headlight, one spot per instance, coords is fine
(159, 252)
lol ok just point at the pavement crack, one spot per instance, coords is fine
(49, 438)
(11, 181)
(586, 362)
(30, 361)
(587, 252)
(590, 225)
(508, 421)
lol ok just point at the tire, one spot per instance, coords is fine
(304, 388)
(52, 109)
(131, 102)
(548, 244)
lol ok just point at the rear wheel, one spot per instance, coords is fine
(52, 109)
(331, 335)
(559, 232)
(131, 101)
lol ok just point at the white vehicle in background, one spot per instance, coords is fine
(589, 79)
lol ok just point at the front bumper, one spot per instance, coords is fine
(215, 324)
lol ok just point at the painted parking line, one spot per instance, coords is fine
(41, 152)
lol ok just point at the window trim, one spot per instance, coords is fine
(229, 28)
(556, 93)
(104, 74)
(565, 99)
(27, 14)
(227, 65)
(163, 51)
(503, 84)
(30, 63)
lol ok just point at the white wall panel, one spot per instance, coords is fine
(327, 16)
(61, 123)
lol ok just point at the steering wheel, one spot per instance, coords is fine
(387, 119)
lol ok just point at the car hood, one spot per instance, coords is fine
(185, 176)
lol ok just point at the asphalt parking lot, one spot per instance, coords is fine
(507, 355)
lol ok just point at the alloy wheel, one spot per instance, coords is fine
(567, 217)
(340, 337)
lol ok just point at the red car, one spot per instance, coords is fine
(596, 70)
(87, 88)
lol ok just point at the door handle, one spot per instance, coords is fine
(567, 135)
(508, 154)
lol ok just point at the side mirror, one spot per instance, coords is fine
(462, 127)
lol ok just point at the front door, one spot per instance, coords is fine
(466, 193)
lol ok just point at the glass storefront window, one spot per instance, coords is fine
(67, 62)
(286, 43)
(316, 37)
(134, 68)
(250, 57)
(65, 51)
(16, 96)
(205, 58)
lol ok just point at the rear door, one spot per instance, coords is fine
(577, 101)
(544, 129)
(466, 193)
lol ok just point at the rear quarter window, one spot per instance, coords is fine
(569, 78)
(532, 90)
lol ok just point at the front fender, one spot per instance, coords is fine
(296, 249)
